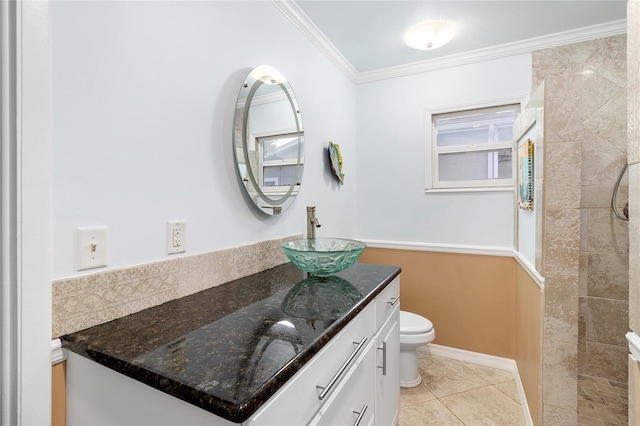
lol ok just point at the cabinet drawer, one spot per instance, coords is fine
(321, 371)
(353, 403)
(387, 301)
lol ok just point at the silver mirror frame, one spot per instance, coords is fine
(259, 76)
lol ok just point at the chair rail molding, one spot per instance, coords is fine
(634, 344)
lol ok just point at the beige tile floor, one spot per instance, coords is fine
(459, 393)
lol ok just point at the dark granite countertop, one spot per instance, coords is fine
(229, 348)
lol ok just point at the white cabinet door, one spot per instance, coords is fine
(387, 375)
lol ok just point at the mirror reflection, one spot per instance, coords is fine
(268, 140)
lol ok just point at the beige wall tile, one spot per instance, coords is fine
(582, 275)
(601, 162)
(561, 308)
(599, 196)
(584, 229)
(609, 122)
(606, 233)
(603, 56)
(577, 97)
(592, 117)
(633, 81)
(560, 374)
(634, 248)
(606, 321)
(562, 169)
(562, 245)
(582, 357)
(582, 321)
(633, 135)
(608, 276)
(606, 361)
(556, 416)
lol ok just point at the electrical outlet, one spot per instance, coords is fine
(91, 247)
(176, 236)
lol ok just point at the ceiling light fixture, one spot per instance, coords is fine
(430, 35)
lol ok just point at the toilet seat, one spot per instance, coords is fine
(411, 323)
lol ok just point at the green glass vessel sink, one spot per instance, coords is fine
(323, 256)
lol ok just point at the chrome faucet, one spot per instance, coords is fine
(312, 222)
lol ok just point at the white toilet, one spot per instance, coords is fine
(415, 331)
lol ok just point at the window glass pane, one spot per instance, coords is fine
(474, 128)
(283, 147)
(279, 175)
(475, 165)
(504, 132)
(463, 136)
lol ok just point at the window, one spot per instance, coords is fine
(473, 148)
(278, 161)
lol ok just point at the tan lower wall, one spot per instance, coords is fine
(469, 298)
(529, 311)
(59, 394)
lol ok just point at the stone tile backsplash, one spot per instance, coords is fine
(82, 302)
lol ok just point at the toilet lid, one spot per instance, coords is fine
(411, 323)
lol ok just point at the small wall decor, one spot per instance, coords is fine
(335, 159)
(525, 175)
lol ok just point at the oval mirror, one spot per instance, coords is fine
(268, 140)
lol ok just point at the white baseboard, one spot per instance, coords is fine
(486, 361)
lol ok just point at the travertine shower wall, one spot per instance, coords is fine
(584, 247)
(633, 158)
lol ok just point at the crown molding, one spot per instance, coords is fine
(300, 20)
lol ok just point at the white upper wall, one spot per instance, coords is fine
(391, 201)
(143, 101)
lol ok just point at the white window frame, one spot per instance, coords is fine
(432, 183)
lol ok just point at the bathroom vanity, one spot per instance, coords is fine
(274, 348)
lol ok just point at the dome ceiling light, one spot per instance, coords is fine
(430, 35)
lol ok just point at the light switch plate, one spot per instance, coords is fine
(91, 247)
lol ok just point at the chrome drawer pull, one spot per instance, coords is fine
(384, 358)
(324, 390)
(360, 414)
(393, 300)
